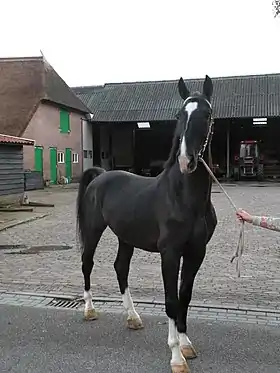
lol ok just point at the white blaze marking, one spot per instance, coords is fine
(183, 148)
(184, 340)
(173, 343)
(88, 300)
(129, 306)
(205, 99)
(190, 108)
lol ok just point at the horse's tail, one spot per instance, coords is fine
(86, 178)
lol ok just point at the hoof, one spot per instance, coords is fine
(90, 315)
(188, 352)
(134, 323)
(182, 368)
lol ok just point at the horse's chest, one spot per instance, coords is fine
(199, 227)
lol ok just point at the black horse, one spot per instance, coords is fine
(171, 214)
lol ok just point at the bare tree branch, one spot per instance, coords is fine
(276, 7)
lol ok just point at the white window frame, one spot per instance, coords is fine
(60, 157)
(75, 158)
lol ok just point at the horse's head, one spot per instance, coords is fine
(194, 124)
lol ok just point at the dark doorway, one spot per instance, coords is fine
(152, 146)
(96, 145)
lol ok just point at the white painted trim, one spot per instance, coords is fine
(75, 158)
(60, 161)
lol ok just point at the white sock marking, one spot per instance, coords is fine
(129, 306)
(88, 300)
(173, 343)
(184, 340)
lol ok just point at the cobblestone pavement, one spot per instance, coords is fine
(216, 282)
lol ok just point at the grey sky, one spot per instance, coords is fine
(97, 41)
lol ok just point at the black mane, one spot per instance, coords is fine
(173, 152)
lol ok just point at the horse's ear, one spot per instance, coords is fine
(208, 87)
(183, 90)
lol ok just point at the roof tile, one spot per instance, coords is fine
(24, 82)
(239, 96)
(14, 140)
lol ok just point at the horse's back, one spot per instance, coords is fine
(127, 203)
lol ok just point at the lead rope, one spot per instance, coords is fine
(240, 245)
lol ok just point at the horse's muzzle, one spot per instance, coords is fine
(187, 164)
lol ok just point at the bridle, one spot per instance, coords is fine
(209, 134)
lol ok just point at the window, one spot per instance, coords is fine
(64, 124)
(60, 157)
(85, 153)
(75, 158)
(90, 154)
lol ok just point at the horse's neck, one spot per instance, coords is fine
(201, 178)
(198, 184)
(208, 159)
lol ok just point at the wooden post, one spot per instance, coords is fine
(133, 149)
(228, 150)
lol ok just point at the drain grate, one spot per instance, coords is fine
(64, 303)
(12, 247)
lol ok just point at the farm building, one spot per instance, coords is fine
(36, 103)
(11, 164)
(133, 123)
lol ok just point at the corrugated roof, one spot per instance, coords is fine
(14, 140)
(236, 96)
(24, 82)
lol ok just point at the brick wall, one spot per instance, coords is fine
(44, 129)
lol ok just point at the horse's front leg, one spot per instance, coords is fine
(191, 265)
(170, 262)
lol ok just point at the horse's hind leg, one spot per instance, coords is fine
(87, 265)
(121, 266)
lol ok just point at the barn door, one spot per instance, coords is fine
(38, 159)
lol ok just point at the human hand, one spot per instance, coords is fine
(243, 215)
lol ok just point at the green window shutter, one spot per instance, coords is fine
(64, 121)
(53, 165)
(68, 164)
(38, 158)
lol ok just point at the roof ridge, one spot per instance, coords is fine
(175, 80)
(13, 59)
(194, 79)
(88, 86)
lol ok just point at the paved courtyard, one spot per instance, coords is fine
(216, 283)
